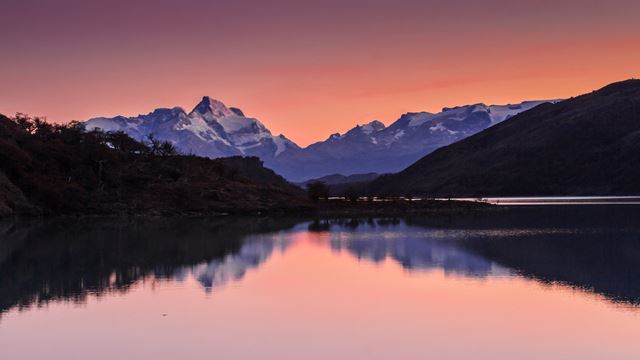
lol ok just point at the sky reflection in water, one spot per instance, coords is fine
(563, 281)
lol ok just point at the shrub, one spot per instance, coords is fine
(317, 190)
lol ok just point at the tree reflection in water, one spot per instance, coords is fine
(593, 248)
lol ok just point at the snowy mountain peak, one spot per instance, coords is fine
(212, 109)
(168, 113)
(211, 129)
(416, 118)
(373, 126)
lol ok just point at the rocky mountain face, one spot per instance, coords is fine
(211, 129)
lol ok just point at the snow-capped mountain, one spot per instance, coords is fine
(211, 129)
(373, 147)
(214, 130)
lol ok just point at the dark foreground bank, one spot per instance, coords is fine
(63, 169)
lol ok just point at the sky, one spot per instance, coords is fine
(307, 68)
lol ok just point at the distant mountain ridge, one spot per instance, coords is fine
(587, 145)
(336, 179)
(372, 147)
(214, 130)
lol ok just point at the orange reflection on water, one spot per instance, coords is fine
(313, 302)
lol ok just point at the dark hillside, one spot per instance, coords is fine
(588, 145)
(48, 168)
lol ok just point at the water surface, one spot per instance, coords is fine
(558, 200)
(525, 283)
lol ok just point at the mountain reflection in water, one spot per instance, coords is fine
(68, 259)
(596, 249)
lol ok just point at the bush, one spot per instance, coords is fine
(317, 190)
(351, 194)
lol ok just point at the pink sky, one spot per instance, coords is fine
(307, 68)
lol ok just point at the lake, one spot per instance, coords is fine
(557, 200)
(518, 283)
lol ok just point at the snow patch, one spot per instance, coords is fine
(372, 127)
(199, 127)
(236, 123)
(281, 144)
(417, 119)
(499, 113)
(102, 124)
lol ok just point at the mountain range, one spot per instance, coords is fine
(587, 145)
(214, 130)
(338, 179)
(376, 148)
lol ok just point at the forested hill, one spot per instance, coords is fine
(46, 168)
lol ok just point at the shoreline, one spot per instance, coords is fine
(323, 208)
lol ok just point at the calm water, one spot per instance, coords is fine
(559, 200)
(523, 283)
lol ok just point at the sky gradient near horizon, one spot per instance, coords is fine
(307, 68)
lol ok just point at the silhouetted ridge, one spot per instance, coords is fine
(588, 145)
(65, 169)
(621, 86)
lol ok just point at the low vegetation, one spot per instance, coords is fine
(51, 168)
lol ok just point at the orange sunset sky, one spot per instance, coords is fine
(307, 68)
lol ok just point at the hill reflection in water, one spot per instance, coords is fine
(596, 249)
